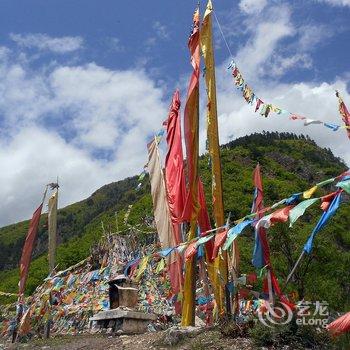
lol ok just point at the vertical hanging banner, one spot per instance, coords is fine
(344, 113)
(158, 192)
(327, 214)
(261, 254)
(28, 249)
(52, 223)
(161, 210)
(220, 265)
(191, 128)
(174, 166)
(175, 183)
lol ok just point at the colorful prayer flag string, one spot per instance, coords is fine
(295, 208)
(265, 109)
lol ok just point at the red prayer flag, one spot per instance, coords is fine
(219, 240)
(191, 126)
(28, 249)
(340, 325)
(174, 164)
(190, 251)
(258, 104)
(327, 200)
(281, 215)
(343, 110)
(258, 207)
(252, 278)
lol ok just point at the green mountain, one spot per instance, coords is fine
(289, 163)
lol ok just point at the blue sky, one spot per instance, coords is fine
(84, 84)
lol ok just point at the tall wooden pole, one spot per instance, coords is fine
(191, 133)
(219, 268)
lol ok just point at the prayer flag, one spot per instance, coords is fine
(343, 110)
(206, 42)
(322, 222)
(309, 193)
(28, 249)
(299, 210)
(261, 254)
(345, 185)
(191, 129)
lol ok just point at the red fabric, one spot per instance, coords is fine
(190, 251)
(219, 240)
(277, 290)
(28, 249)
(258, 104)
(175, 184)
(340, 325)
(259, 206)
(203, 218)
(191, 136)
(243, 293)
(252, 278)
(327, 200)
(281, 215)
(174, 165)
(296, 117)
(345, 173)
(344, 113)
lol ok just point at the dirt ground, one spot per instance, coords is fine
(209, 340)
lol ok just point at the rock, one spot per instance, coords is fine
(119, 332)
(174, 334)
(199, 322)
(109, 331)
(151, 328)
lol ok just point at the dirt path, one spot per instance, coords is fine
(210, 340)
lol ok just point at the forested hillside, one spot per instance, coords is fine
(289, 163)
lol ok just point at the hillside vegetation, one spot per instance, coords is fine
(289, 163)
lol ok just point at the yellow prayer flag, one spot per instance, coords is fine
(142, 267)
(308, 194)
(220, 265)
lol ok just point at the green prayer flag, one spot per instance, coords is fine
(345, 185)
(325, 182)
(205, 239)
(142, 267)
(299, 210)
(160, 266)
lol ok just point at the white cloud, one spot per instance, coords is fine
(265, 35)
(282, 64)
(312, 35)
(252, 6)
(161, 33)
(56, 119)
(35, 157)
(161, 30)
(311, 100)
(336, 2)
(261, 63)
(44, 42)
